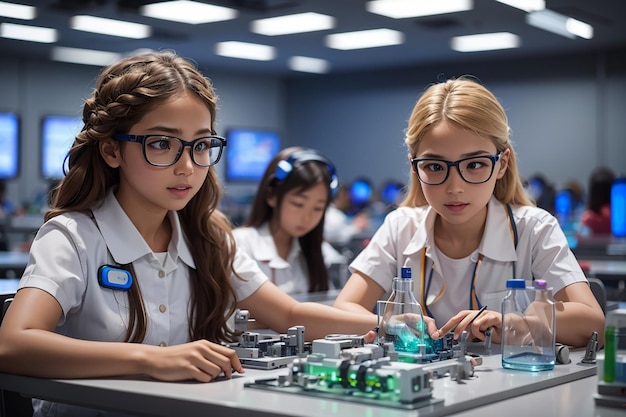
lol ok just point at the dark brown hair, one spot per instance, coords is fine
(124, 93)
(302, 177)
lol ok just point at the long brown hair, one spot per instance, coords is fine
(471, 106)
(124, 93)
(302, 177)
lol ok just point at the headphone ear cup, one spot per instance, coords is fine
(334, 185)
(283, 169)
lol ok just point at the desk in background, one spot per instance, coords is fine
(12, 264)
(600, 248)
(529, 393)
(8, 285)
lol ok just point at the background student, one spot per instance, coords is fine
(467, 225)
(284, 232)
(596, 219)
(340, 225)
(134, 250)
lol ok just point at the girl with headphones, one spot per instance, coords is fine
(467, 225)
(284, 232)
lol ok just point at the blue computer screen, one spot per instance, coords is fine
(57, 136)
(9, 145)
(248, 152)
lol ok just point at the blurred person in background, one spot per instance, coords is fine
(596, 219)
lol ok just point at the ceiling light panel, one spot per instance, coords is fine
(401, 9)
(485, 42)
(84, 56)
(17, 11)
(307, 64)
(560, 24)
(295, 23)
(526, 5)
(111, 27)
(244, 50)
(190, 12)
(364, 39)
(28, 33)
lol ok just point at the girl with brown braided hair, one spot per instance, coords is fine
(135, 271)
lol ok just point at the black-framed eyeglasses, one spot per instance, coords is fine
(473, 170)
(164, 151)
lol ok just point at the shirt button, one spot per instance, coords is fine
(162, 344)
(162, 308)
(161, 274)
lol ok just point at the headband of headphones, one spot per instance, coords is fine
(285, 166)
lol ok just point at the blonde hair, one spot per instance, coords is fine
(471, 106)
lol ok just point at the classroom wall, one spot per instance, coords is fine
(565, 112)
(35, 88)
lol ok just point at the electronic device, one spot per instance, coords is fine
(360, 192)
(9, 145)
(390, 192)
(269, 351)
(114, 278)
(248, 153)
(618, 207)
(563, 204)
(284, 167)
(57, 136)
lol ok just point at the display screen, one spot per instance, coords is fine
(9, 145)
(248, 153)
(57, 136)
(361, 192)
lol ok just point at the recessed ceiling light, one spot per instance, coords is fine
(17, 11)
(110, 27)
(560, 24)
(244, 50)
(84, 56)
(400, 9)
(308, 64)
(526, 5)
(485, 42)
(28, 33)
(295, 23)
(190, 12)
(364, 39)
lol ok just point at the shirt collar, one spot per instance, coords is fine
(124, 241)
(265, 249)
(497, 241)
(423, 236)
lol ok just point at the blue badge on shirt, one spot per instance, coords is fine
(114, 278)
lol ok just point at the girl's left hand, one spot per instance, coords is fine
(461, 321)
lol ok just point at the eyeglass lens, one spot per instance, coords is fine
(165, 150)
(473, 170)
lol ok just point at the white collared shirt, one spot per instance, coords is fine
(291, 274)
(542, 253)
(70, 248)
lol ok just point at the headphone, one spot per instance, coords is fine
(285, 166)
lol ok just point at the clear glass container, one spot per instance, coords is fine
(528, 324)
(400, 319)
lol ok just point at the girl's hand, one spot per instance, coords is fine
(413, 321)
(477, 328)
(201, 360)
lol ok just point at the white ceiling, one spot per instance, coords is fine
(427, 38)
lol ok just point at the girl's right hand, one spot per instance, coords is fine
(201, 360)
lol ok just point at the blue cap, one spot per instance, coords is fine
(405, 273)
(515, 283)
